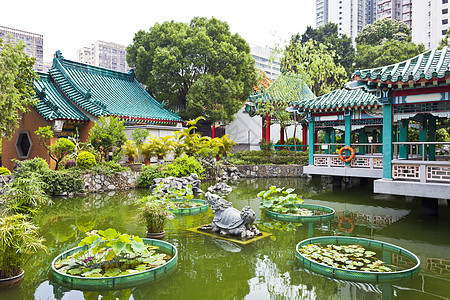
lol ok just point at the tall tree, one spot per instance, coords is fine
(316, 63)
(390, 52)
(384, 30)
(16, 85)
(200, 68)
(328, 34)
(383, 43)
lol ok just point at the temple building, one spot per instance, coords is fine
(73, 95)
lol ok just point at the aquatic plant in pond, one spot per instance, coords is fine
(109, 253)
(282, 201)
(348, 257)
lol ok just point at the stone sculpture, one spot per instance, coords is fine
(230, 221)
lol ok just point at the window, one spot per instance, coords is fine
(444, 1)
(445, 21)
(445, 11)
(23, 144)
(444, 32)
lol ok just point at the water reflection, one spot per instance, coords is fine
(208, 268)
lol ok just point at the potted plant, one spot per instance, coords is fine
(147, 151)
(18, 239)
(154, 214)
(131, 151)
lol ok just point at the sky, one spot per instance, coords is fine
(70, 25)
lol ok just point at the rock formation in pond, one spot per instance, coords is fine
(178, 183)
(221, 187)
(230, 221)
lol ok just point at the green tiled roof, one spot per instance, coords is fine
(53, 104)
(287, 86)
(101, 92)
(433, 65)
(338, 100)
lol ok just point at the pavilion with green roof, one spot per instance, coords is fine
(73, 95)
(287, 87)
(415, 92)
(379, 106)
(345, 111)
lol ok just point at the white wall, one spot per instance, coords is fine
(247, 133)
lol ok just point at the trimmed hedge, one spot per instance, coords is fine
(283, 157)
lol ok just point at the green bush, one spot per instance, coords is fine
(4, 171)
(86, 160)
(36, 165)
(184, 166)
(58, 182)
(148, 173)
(282, 157)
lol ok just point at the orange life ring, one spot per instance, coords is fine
(346, 225)
(346, 158)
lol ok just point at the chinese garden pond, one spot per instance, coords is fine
(209, 267)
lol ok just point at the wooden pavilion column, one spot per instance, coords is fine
(387, 140)
(423, 133)
(403, 137)
(348, 132)
(362, 139)
(432, 137)
(327, 140)
(333, 140)
(311, 139)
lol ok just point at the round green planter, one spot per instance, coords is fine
(328, 214)
(118, 282)
(11, 281)
(192, 210)
(388, 251)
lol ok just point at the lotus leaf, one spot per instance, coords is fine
(348, 257)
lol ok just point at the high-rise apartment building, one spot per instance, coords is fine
(350, 15)
(427, 19)
(34, 43)
(106, 55)
(430, 21)
(266, 60)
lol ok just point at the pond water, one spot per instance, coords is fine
(212, 268)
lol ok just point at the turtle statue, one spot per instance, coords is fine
(228, 220)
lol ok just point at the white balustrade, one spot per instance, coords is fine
(359, 161)
(422, 171)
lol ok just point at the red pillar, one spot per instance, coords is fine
(305, 135)
(316, 134)
(267, 128)
(213, 131)
(282, 135)
(263, 128)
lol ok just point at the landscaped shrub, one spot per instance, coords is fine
(184, 166)
(36, 165)
(148, 173)
(58, 182)
(4, 171)
(86, 160)
(282, 157)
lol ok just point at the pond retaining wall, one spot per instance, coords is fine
(267, 171)
(101, 183)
